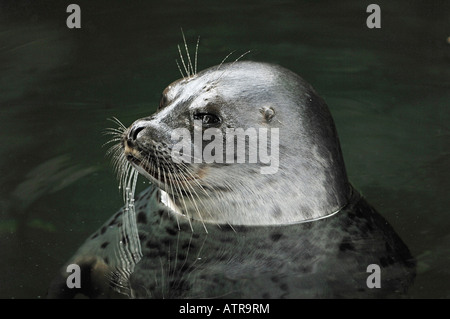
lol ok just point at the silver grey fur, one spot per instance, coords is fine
(311, 181)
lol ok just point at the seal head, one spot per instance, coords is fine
(305, 179)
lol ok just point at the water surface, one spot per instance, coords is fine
(388, 90)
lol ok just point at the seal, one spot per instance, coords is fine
(213, 228)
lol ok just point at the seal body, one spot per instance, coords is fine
(220, 230)
(326, 258)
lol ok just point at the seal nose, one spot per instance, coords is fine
(136, 128)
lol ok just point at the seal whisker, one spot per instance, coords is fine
(189, 191)
(120, 164)
(118, 161)
(129, 170)
(240, 57)
(173, 200)
(182, 61)
(170, 183)
(194, 178)
(188, 217)
(192, 189)
(116, 138)
(114, 150)
(188, 188)
(113, 140)
(223, 61)
(114, 134)
(158, 166)
(119, 130)
(171, 179)
(196, 52)
(124, 177)
(116, 164)
(179, 68)
(190, 68)
(117, 121)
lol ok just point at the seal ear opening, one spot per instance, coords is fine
(268, 113)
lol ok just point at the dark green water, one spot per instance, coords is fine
(388, 90)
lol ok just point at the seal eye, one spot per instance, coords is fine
(207, 118)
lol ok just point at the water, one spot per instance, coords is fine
(388, 90)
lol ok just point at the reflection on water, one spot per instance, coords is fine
(387, 90)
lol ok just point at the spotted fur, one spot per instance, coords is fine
(326, 258)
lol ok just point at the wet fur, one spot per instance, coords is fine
(209, 246)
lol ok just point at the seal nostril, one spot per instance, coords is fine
(134, 133)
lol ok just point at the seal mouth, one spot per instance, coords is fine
(159, 168)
